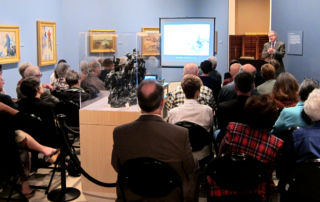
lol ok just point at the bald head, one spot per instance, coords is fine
(191, 68)
(249, 68)
(234, 69)
(150, 96)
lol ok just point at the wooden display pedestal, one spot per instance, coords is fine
(97, 122)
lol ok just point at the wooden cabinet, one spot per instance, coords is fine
(246, 46)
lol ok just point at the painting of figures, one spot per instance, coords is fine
(9, 44)
(102, 41)
(47, 53)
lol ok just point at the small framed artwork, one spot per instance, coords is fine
(47, 43)
(9, 44)
(150, 41)
(102, 41)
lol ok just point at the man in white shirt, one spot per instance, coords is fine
(192, 111)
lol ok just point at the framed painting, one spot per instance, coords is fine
(9, 44)
(47, 43)
(102, 41)
(150, 42)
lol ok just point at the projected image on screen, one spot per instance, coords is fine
(185, 40)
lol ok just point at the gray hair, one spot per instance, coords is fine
(22, 68)
(312, 105)
(93, 65)
(84, 67)
(61, 69)
(213, 61)
(72, 77)
(31, 71)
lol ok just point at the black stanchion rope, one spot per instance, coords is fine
(75, 159)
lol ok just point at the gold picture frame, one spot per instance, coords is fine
(9, 44)
(47, 43)
(102, 41)
(150, 41)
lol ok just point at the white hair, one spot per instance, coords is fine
(312, 105)
(213, 61)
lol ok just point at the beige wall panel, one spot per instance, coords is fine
(252, 16)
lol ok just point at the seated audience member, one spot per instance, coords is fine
(34, 71)
(285, 91)
(176, 98)
(269, 75)
(74, 92)
(306, 140)
(227, 78)
(84, 69)
(277, 66)
(92, 83)
(161, 140)
(22, 67)
(6, 99)
(54, 76)
(32, 104)
(291, 117)
(213, 83)
(227, 92)
(10, 119)
(252, 139)
(233, 110)
(107, 66)
(192, 111)
(214, 74)
(60, 73)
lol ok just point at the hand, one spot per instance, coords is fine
(270, 50)
(46, 85)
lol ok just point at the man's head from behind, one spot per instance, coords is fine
(191, 68)
(206, 66)
(213, 61)
(306, 87)
(191, 85)
(244, 83)
(234, 69)
(150, 96)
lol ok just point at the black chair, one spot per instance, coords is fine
(148, 178)
(198, 136)
(285, 159)
(33, 125)
(238, 172)
(71, 110)
(304, 182)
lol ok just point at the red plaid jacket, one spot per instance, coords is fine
(240, 138)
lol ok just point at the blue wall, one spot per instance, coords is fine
(25, 14)
(219, 10)
(296, 15)
(126, 17)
